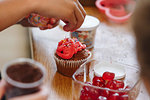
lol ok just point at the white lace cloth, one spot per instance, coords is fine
(117, 43)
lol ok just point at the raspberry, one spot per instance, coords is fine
(90, 92)
(114, 96)
(98, 81)
(111, 85)
(102, 98)
(85, 96)
(119, 84)
(108, 76)
(104, 93)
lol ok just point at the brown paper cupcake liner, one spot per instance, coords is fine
(68, 67)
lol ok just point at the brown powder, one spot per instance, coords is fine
(25, 73)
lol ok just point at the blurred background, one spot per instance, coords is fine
(14, 43)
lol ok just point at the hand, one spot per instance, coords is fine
(24, 22)
(71, 12)
(2, 88)
(41, 95)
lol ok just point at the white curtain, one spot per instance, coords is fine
(14, 43)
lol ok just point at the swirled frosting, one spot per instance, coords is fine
(68, 47)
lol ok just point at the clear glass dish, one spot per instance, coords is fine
(85, 74)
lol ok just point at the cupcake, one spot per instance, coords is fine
(69, 55)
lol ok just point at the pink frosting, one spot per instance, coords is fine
(68, 47)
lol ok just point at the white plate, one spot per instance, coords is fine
(116, 68)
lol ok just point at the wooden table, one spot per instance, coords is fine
(112, 42)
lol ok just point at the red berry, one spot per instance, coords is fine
(92, 92)
(119, 84)
(99, 84)
(98, 81)
(85, 96)
(114, 96)
(108, 76)
(123, 97)
(111, 85)
(102, 98)
(104, 93)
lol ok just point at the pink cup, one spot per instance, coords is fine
(116, 11)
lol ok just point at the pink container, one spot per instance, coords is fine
(118, 12)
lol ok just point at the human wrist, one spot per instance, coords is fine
(34, 5)
(30, 6)
(24, 7)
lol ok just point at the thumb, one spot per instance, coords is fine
(41, 95)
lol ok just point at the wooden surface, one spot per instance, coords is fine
(112, 42)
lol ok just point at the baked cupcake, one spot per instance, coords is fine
(69, 55)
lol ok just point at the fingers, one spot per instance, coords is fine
(81, 8)
(24, 22)
(70, 22)
(76, 18)
(41, 95)
(79, 17)
(2, 88)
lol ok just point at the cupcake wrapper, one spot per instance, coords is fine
(68, 67)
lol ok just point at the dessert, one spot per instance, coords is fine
(69, 55)
(23, 76)
(32, 74)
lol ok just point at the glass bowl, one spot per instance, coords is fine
(83, 90)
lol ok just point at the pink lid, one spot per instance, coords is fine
(115, 13)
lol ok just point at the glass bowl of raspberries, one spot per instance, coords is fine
(88, 86)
